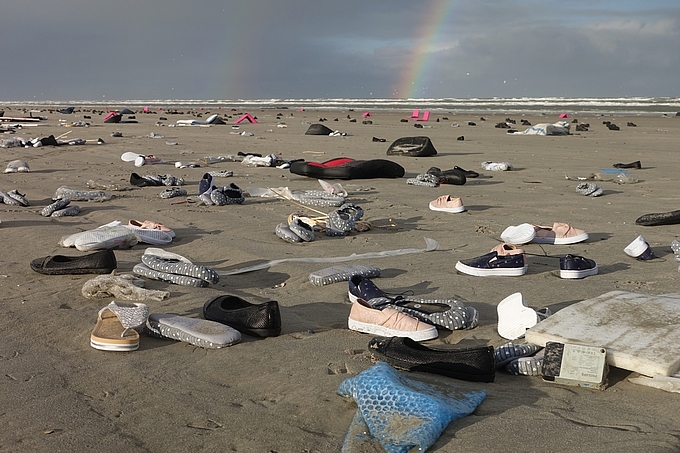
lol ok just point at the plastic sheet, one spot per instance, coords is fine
(431, 245)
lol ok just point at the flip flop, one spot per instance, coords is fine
(114, 330)
(199, 332)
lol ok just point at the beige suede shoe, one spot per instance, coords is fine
(446, 203)
(559, 233)
(388, 323)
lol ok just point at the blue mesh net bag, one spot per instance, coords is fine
(401, 413)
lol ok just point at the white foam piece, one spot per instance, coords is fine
(639, 332)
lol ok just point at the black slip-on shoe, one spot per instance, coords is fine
(637, 165)
(574, 266)
(469, 364)
(467, 173)
(456, 176)
(661, 218)
(144, 181)
(258, 320)
(102, 262)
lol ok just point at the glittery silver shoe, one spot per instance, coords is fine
(180, 268)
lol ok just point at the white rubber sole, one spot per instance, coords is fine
(518, 235)
(419, 335)
(561, 241)
(578, 274)
(113, 347)
(453, 210)
(507, 272)
(637, 247)
(129, 156)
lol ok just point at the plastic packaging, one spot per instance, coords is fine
(675, 246)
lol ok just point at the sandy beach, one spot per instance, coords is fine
(278, 394)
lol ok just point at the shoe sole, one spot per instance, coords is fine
(518, 235)
(501, 272)
(420, 335)
(578, 274)
(525, 366)
(561, 241)
(636, 248)
(113, 347)
(454, 210)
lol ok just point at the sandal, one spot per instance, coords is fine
(118, 326)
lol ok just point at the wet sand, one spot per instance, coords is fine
(279, 394)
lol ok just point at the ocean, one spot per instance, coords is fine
(550, 105)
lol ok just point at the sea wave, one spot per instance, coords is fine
(620, 105)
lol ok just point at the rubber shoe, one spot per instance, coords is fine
(388, 323)
(520, 234)
(559, 234)
(470, 364)
(446, 203)
(639, 249)
(444, 313)
(504, 260)
(574, 266)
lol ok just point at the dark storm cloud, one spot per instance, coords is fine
(79, 50)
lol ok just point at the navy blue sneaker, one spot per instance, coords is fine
(504, 260)
(444, 313)
(574, 266)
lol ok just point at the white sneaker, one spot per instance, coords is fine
(639, 249)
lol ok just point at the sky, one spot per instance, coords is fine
(61, 50)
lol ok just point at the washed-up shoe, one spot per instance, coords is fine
(456, 175)
(589, 189)
(259, 320)
(198, 332)
(446, 203)
(145, 181)
(424, 179)
(637, 165)
(103, 262)
(509, 352)
(469, 364)
(515, 317)
(301, 227)
(444, 313)
(497, 166)
(504, 260)
(639, 249)
(559, 234)
(117, 326)
(388, 323)
(526, 366)
(519, 234)
(659, 218)
(574, 266)
(17, 166)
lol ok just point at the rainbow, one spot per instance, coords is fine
(417, 66)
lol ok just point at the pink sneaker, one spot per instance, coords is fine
(447, 204)
(388, 323)
(559, 233)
